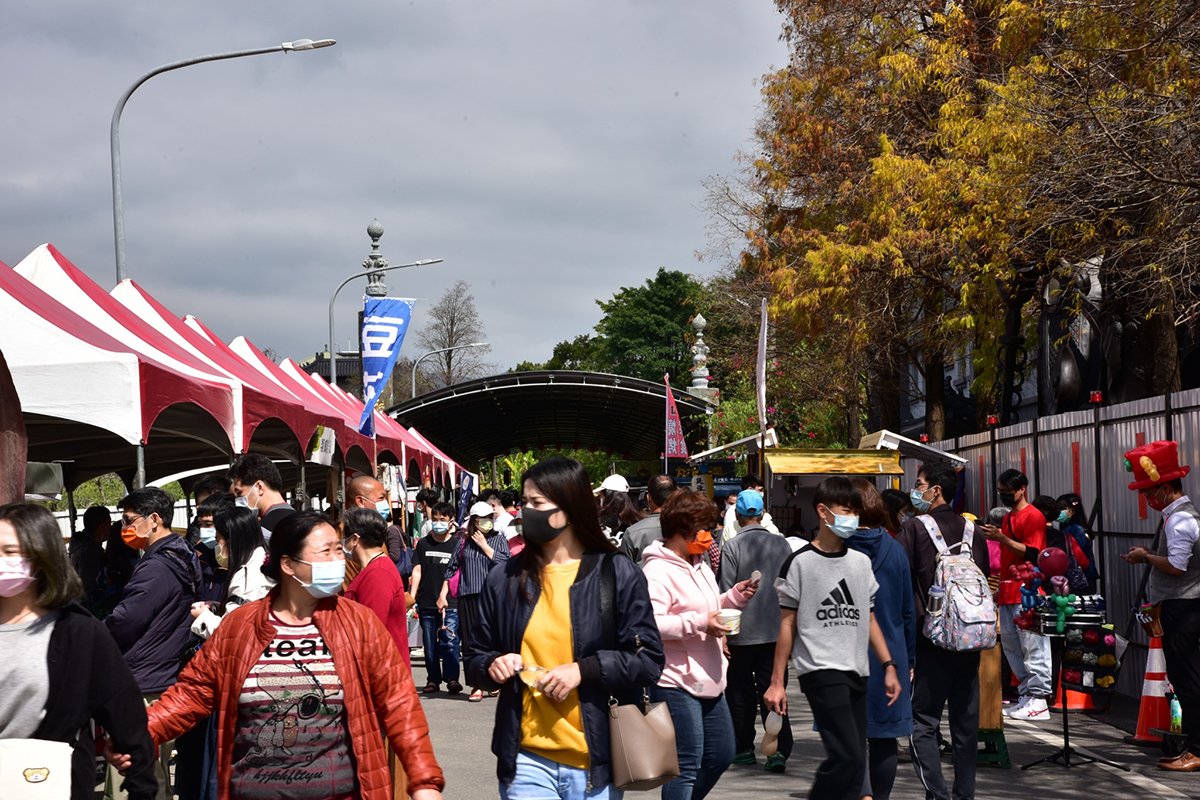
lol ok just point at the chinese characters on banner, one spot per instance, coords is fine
(676, 447)
(385, 321)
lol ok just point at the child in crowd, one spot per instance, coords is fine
(826, 594)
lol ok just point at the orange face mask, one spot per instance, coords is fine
(129, 536)
(701, 544)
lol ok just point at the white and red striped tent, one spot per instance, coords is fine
(104, 375)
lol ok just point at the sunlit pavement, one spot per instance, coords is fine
(462, 732)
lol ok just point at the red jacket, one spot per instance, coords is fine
(378, 690)
(378, 587)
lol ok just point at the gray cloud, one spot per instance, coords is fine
(550, 152)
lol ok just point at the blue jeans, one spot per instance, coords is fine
(1028, 654)
(703, 737)
(540, 778)
(441, 646)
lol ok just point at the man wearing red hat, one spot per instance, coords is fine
(1174, 581)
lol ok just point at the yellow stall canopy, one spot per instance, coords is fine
(834, 462)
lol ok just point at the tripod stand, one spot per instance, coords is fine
(1068, 756)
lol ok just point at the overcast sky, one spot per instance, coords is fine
(551, 152)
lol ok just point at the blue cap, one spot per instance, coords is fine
(749, 503)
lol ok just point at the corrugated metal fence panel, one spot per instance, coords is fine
(1122, 585)
(979, 480)
(1014, 448)
(1186, 416)
(1066, 462)
(1123, 428)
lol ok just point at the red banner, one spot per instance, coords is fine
(676, 447)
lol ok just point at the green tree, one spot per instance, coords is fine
(645, 330)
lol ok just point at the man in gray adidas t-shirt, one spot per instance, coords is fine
(825, 597)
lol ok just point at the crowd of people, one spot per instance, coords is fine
(265, 652)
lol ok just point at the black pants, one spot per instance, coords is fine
(749, 676)
(882, 755)
(1181, 648)
(468, 618)
(839, 705)
(941, 678)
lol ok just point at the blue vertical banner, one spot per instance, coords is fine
(466, 490)
(385, 321)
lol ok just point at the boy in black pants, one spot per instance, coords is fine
(825, 596)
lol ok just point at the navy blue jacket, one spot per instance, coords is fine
(152, 623)
(897, 619)
(504, 613)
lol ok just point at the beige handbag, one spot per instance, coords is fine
(641, 736)
(642, 745)
(34, 769)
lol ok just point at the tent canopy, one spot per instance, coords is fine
(100, 375)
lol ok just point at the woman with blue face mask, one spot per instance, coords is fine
(304, 677)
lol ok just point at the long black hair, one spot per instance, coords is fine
(242, 533)
(565, 483)
(1073, 503)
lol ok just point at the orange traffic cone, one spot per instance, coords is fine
(1155, 711)
(1076, 701)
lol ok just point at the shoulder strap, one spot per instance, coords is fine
(968, 535)
(608, 591)
(935, 534)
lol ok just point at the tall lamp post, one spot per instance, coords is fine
(114, 131)
(434, 353)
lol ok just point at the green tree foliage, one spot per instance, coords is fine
(645, 330)
(915, 162)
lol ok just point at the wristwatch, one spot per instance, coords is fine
(887, 664)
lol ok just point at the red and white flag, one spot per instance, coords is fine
(676, 447)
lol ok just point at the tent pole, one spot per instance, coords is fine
(139, 477)
(72, 512)
(302, 486)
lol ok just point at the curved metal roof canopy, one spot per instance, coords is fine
(476, 420)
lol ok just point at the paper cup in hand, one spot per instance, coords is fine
(771, 729)
(731, 618)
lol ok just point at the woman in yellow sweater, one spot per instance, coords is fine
(541, 641)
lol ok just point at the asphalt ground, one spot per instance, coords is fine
(462, 732)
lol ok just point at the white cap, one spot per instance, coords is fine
(614, 483)
(482, 509)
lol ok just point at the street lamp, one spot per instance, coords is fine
(332, 347)
(434, 353)
(114, 139)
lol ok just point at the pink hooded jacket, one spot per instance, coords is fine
(683, 594)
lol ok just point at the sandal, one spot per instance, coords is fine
(475, 696)
(494, 693)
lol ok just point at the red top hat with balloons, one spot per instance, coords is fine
(1154, 463)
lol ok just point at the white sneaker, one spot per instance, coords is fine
(1035, 710)
(1022, 701)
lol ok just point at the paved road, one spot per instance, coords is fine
(462, 731)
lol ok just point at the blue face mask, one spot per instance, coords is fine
(327, 577)
(916, 496)
(208, 537)
(383, 508)
(1063, 516)
(440, 526)
(844, 526)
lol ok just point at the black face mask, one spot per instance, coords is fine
(1008, 498)
(536, 527)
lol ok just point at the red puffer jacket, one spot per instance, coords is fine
(378, 691)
